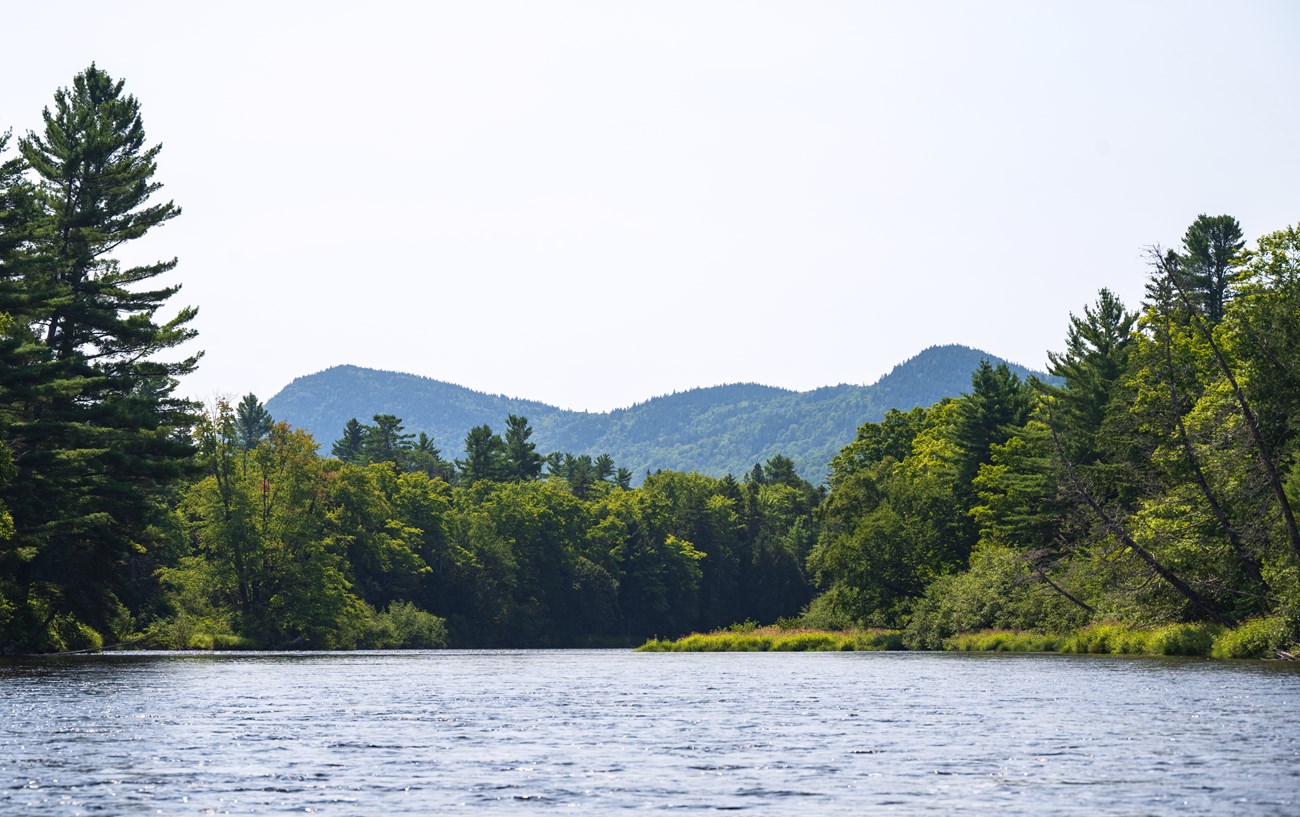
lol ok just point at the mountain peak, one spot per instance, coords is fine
(715, 430)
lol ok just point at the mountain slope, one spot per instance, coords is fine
(716, 430)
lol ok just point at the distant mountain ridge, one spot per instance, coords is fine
(715, 430)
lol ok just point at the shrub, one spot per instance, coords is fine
(1119, 639)
(68, 633)
(1257, 638)
(1184, 639)
(403, 626)
(997, 592)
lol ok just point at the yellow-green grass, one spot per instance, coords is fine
(780, 639)
(1258, 638)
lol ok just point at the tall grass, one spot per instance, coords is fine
(1004, 641)
(779, 639)
(1253, 639)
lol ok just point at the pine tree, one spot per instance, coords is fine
(997, 404)
(351, 446)
(485, 456)
(1211, 250)
(1096, 356)
(92, 417)
(252, 422)
(522, 460)
(387, 441)
(604, 466)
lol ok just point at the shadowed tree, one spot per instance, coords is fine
(387, 441)
(485, 456)
(523, 463)
(1211, 249)
(252, 422)
(351, 446)
(604, 467)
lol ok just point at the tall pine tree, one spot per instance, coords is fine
(97, 433)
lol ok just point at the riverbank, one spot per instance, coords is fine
(1259, 638)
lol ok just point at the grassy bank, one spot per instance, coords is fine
(779, 639)
(1259, 638)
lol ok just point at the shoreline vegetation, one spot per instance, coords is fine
(1141, 500)
(1259, 638)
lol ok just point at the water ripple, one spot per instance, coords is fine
(593, 732)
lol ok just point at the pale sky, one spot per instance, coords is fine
(593, 203)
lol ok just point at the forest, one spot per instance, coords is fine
(717, 430)
(1151, 480)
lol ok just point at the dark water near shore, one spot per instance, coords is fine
(601, 731)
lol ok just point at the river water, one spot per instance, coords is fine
(593, 732)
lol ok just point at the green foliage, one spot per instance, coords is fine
(485, 456)
(403, 626)
(890, 528)
(1152, 485)
(1211, 249)
(88, 368)
(1146, 491)
(66, 634)
(1120, 639)
(252, 421)
(779, 639)
(1003, 641)
(998, 591)
(351, 446)
(1096, 357)
(197, 619)
(522, 460)
(1257, 638)
(714, 431)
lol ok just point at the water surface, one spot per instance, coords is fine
(600, 731)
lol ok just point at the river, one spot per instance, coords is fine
(593, 732)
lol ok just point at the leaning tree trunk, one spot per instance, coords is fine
(1114, 526)
(1270, 467)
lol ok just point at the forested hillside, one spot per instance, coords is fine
(716, 431)
(1152, 480)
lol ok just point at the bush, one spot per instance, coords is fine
(826, 612)
(1120, 639)
(998, 592)
(403, 626)
(67, 633)
(1257, 638)
(1184, 639)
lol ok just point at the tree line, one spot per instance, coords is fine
(289, 547)
(129, 514)
(1155, 482)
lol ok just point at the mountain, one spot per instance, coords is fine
(716, 430)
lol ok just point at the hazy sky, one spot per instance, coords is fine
(594, 203)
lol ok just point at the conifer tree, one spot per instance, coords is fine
(485, 456)
(522, 460)
(92, 416)
(1096, 355)
(387, 441)
(350, 447)
(1211, 249)
(252, 422)
(604, 466)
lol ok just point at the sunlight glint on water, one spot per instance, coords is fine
(596, 731)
